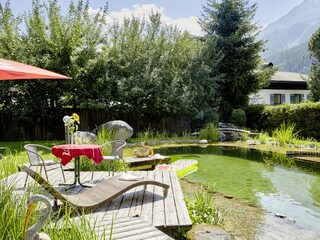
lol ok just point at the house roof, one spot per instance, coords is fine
(288, 80)
(289, 76)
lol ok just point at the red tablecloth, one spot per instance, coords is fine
(68, 151)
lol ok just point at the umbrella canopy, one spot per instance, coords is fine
(11, 70)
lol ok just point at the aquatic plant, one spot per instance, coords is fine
(14, 208)
(210, 132)
(264, 137)
(285, 134)
(201, 209)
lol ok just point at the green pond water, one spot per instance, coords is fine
(272, 181)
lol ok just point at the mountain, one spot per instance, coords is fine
(288, 37)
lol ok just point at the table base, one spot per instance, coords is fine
(76, 176)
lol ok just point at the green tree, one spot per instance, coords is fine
(9, 32)
(154, 69)
(65, 44)
(10, 43)
(230, 22)
(314, 77)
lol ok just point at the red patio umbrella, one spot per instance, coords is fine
(11, 70)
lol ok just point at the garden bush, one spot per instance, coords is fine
(304, 116)
(254, 116)
(238, 117)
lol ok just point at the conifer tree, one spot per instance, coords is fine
(231, 23)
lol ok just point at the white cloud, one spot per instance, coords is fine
(189, 24)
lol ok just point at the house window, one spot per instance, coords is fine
(309, 97)
(296, 98)
(276, 99)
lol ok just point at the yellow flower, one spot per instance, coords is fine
(76, 117)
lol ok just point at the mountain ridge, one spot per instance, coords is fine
(292, 31)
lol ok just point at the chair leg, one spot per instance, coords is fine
(124, 165)
(64, 178)
(25, 182)
(108, 168)
(165, 192)
(92, 171)
(114, 166)
(45, 171)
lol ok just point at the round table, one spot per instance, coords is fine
(66, 152)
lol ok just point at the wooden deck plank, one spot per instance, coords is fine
(128, 199)
(170, 207)
(130, 228)
(181, 209)
(158, 199)
(137, 201)
(149, 205)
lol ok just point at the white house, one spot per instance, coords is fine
(284, 87)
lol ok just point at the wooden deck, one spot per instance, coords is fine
(150, 205)
(127, 228)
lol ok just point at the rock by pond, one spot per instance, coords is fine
(206, 232)
(122, 130)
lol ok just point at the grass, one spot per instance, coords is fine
(13, 211)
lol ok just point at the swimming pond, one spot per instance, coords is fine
(272, 181)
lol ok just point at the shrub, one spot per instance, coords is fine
(238, 117)
(305, 116)
(254, 116)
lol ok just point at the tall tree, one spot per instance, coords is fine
(314, 77)
(155, 70)
(67, 44)
(230, 22)
(10, 48)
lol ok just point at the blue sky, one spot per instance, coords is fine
(183, 13)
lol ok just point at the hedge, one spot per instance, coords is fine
(305, 116)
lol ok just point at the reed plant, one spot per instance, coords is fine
(264, 137)
(68, 228)
(146, 136)
(210, 132)
(285, 134)
(105, 135)
(174, 136)
(13, 211)
(245, 136)
(9, 162)
(186, 135)
(201, 209)
(164, 135)
(11, 220)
